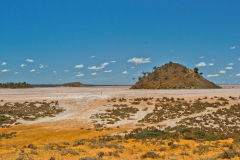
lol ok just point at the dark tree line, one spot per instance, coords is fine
(15, 85)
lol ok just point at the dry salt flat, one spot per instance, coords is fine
(78, 101)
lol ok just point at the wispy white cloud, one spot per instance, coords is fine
(222, 71)
(202, 57)
(93, 57)
(211, 64)
(233, 47)
(4, 63)
(4, 70)
(201, 64)
(79, 75)
(79, 66)
(228, 68)
(66, 70)
(94, 73)
(139, 60)
(108, 71)
(239, 59)
(23, 65)
(213, 75)
(238, 75)
(231, 64)
(32, 70)
(113, 61)
(29, 60)
(99, 67)
(41, 66)
(125, 72)
(15, 72)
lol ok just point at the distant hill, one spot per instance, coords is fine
(173, 76)
(72, 84)
(15, 85)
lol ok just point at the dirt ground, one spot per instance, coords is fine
(80, 104)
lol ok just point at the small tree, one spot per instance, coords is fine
(139, 78)
(144, 74)
(196, 70)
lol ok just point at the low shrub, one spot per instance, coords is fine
(152, 155)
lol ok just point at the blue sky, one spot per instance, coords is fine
(111, 42)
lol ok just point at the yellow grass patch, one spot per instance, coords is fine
(41, 136)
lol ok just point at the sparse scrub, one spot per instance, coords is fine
(169, 108)
(27, 111)
(117, 113)
(228, 154)
(8, 135)
(152, 155)
(89, 158)
(66, 151)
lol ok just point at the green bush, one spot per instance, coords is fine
(4, 118)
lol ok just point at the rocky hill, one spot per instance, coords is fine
(173, 76)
